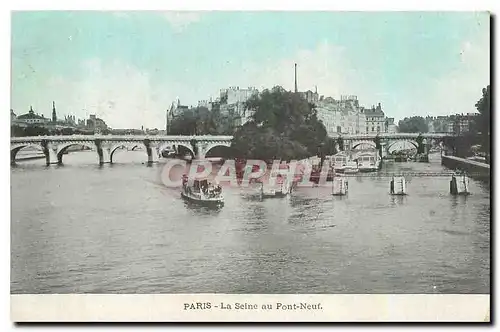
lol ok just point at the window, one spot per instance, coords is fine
(373, 128)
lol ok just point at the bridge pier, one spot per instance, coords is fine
(50, 152)
(152, 151)
(100, 153)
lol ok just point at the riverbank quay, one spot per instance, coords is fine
(474, 168)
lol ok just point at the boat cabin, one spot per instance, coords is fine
(367, 159)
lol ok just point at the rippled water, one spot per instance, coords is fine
(81, 228)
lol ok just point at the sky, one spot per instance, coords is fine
(128, 67)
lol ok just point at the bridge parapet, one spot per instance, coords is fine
(54, 147)
(394, 136)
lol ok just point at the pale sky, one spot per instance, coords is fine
(128, 67)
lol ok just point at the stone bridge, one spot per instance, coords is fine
(54, 147)
(387, 140)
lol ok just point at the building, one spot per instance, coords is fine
(439, 124)
(174, 111)
(30, 119)
(462, 123)
(375, 120)
(342, 116)
(13, 116)
(54, 115)
(232, 103)
(311, 97)
(206, 103)
(69, 121)
(96, 124)
(391, 126)
(456, 124)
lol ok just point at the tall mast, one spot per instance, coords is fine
(296, 78)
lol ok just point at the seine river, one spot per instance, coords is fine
(81, 228)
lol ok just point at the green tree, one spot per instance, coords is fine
(340, 142)
(482, 124)
(378, 145)
(184, 123)
(414, 124)
(330, 147)
(202, 121)
(420, 145)
(283, 126)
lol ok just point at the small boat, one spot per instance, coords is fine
(368, 163)
(398, 185)
(350, 167)
(281, 188)
(202, 192)
(459, 184)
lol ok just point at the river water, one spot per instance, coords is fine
(81, 228)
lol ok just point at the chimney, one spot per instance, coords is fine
(296, 78)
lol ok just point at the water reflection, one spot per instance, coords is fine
(397, 200)
(201, 210)
(122, 230)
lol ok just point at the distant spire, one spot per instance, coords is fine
(316, 88)
(54, 116)
(296, 90)
(31, 109)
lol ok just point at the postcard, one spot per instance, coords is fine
(239, 166)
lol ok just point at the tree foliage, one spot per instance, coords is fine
(414, 124)
(482, 122)
(283, 125)
(34, 130)
(202, 121)
(378, 145)
(420, 144)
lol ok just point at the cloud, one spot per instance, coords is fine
(326, 67)
(126, 96)
(180, 20)
(119, 93)
(460, 89)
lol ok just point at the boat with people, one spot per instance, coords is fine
(275, 187)
(343, 163)
(202, 192)
(350, 167)
(368, 162)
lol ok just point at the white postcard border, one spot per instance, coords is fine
(250, 308)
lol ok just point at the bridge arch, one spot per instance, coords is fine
(16, 148)
(359, 143)
(125, 145)
(214, 145)
(392, 143)
(165, 145)
(61, 149)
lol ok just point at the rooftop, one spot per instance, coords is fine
(31, 115)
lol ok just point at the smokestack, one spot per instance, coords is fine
(296, 78)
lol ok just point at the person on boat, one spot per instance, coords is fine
(217, 189)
